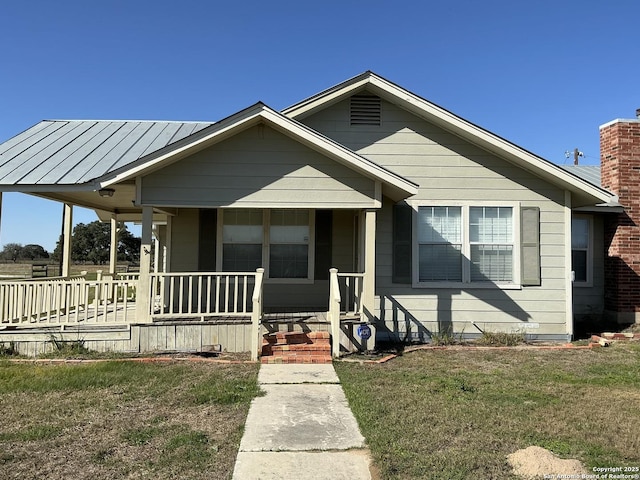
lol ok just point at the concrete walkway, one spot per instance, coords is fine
(301, 428)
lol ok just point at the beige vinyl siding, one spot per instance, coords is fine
(259, 167)
(184, 240)
(447, 168)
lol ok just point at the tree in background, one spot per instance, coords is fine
(16, 251)
(90, 243)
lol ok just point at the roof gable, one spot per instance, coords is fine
(584, 191)
(393, 185)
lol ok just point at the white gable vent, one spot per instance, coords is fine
(365, 110)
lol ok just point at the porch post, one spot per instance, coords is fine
(0, 210)
(66, 245)
(113, 251)
(369, 264)
(143, 294)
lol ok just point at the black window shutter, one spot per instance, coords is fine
(402, 221)
(530, 246)
(207, 240)
(324, 224)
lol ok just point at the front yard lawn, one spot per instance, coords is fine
(123, 419)
(457, 414)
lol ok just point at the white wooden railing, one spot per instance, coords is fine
(60, 300)
(256, 314)
(201, 294)
(345, 295)
(334, 311)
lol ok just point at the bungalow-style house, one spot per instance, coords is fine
(365, 211)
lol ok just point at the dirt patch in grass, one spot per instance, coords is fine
(536, 462)
(458, 414)
(123, 420)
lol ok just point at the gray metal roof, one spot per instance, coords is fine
(68, 152)
(590, 173)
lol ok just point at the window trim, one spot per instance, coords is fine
(266, 244)
(466, 246)
(589, 282)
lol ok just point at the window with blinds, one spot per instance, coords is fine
(466, 244)
(440, 244)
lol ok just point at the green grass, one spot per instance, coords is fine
(457, 414)
(123, 419)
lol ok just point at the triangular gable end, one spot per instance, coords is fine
(584, 193)
(391, 184)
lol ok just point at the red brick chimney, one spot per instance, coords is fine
(620, 173)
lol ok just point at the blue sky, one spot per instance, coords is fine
(544, 75)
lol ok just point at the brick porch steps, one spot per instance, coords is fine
(296, 347)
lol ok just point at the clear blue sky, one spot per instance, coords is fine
(543, 74)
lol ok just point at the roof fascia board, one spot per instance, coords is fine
(83, 187)
(327, 97)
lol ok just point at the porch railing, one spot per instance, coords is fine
(257, 314)
(202, 294)
(71, 300)
(345, 295)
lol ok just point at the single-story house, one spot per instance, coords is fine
(364, 204)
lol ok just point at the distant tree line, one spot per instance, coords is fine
(89, 244)
(13, 252)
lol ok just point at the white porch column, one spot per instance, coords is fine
(369, 264)
(66, 245)
(113, 251)
(143, 294)
(0, 210)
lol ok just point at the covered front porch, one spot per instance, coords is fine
(249, 218)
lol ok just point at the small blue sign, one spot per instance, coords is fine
(364, 332)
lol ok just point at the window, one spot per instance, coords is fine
(242, 236)
(277, 240)
(289, 244)
(466, 244)
(491, 244)
(580, 246)
(440, 244)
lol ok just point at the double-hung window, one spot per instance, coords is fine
(491, 244)
(466, 244)
(440, 244)
(279, 240)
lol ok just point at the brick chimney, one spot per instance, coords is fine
(620, 173)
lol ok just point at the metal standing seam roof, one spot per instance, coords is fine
(71, 152)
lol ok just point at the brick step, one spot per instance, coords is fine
(295, 337)
(321, 359)
(297, 350)
(274, 349)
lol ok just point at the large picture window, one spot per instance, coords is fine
(466, 244)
